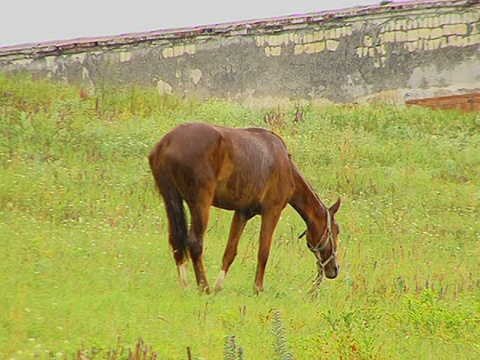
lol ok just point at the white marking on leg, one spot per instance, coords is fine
(182, 271)
(220, 281)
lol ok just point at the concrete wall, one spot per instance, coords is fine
(397, 51)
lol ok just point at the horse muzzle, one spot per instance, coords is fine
(332, 270)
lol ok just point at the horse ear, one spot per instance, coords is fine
(334, 208)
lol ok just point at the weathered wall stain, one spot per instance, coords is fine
(400, 51)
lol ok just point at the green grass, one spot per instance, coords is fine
(85, 260)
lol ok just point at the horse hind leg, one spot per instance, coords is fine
(200, 213)
(177, 222)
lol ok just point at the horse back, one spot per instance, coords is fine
(246, 168)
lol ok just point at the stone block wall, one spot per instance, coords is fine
(394, 52)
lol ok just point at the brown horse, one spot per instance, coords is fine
(248, 171)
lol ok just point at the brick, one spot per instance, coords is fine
(367, 41)
(298, 49)
(411, 46)
(422, 44)
(319, 46)
(314, 48)
(443, 42)
(463, 41)
(452, 40)
(382, 49)
(178, 50)
(260, 40)
(436, 33)
(455, 19)
(474, 39)
(424, 33)
(433, 44)
(429, 22)
(125, 56)
(444, 19)
(401, 36)
(389, 36)
(167, 52)
(276, 51)
(401, 24)
(190, 49)
(330, 34)
(338, 33)
(318, 35)
(470, 17)
(412, 35)
(277, 40)
(458, 29)
(332, 45)
(309, 48)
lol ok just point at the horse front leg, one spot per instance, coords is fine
(269, 222)
(238, 224)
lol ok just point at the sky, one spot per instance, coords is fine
(36, 21)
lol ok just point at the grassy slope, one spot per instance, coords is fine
(84, 257)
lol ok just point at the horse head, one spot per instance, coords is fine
(322, 240)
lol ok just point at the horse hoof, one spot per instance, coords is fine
(204, 289)
(258, 290)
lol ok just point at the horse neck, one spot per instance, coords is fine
(306, 202)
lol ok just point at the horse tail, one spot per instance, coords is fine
(177, 225)
(177, 220)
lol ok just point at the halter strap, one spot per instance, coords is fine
(323, 243)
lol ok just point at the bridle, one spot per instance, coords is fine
(322, 244)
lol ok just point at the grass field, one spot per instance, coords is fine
(86, 270)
